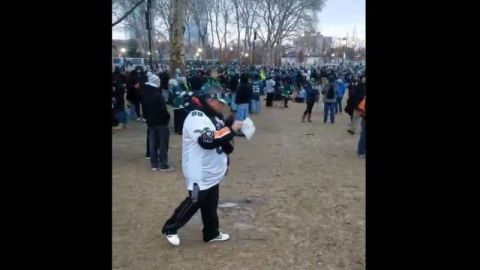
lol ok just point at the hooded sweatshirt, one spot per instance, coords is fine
(325, 92)
(311, 93)
(155, 109)
(341, 88)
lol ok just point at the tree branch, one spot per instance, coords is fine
(128, 13)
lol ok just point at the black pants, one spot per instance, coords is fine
(269, 99)
(158, 140)
(207, 203)
(286, 101)
(119, 104)
(299, 100)
(147, 154)
(309, 107)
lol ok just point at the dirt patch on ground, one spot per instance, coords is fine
(297, 190)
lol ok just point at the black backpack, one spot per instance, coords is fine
(331, 92)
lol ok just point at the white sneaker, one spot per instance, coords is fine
(221, 237)
(168, 169)
(173, 239)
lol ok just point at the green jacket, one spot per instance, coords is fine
(212, 86)
(287, 90)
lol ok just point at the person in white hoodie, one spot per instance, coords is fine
(270, 89)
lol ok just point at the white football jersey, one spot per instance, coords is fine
(204, 167)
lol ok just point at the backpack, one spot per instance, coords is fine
(331, 92)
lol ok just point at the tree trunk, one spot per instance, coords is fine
(238, 30)
(176, 52)
(189, 43)
(225, 40)
(219, 39)
(210, 19)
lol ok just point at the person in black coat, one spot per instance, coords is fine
(233, 84)
(351, 93)
(164, 78)
(119, 84)
(299, 79)
(356, 92)
(243, 97)
(157, 118)
(134, 95)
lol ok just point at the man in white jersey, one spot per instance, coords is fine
(205, 149)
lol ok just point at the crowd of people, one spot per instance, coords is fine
(203, 94)
(242, 88)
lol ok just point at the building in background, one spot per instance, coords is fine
(327, 43)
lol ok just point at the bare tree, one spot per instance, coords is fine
(247, 12)
(216, 12)
(177, 32)
(301, 56)
(118, 4)
(226, 9)
(237, 19)
(210, 4)
(281, 19)
(200, 17)
(135, 21)
(188, 17)
(163, 13)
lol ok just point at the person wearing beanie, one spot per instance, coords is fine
(206, 145)
(157, 117)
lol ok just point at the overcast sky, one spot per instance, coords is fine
(339, 16)
(336, 19)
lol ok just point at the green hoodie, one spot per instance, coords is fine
(212, 86)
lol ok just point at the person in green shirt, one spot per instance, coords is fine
(212, 85)
(287, 90)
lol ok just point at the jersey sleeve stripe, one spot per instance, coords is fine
(221, 133)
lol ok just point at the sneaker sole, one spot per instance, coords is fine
(175, 245)
(217, 240)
